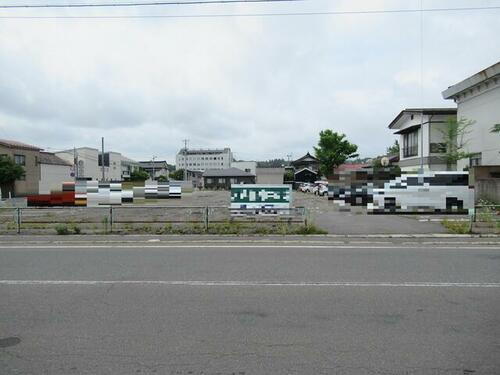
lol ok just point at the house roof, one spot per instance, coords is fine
(52, 159)
(305, 169)
(482, 76)
(157, 164)
(19, 145)
(303, 158)
(228, 172)
(424, 111)
(350, 167)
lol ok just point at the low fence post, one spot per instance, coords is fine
(110, 219)
(18, 220)
(206, 218)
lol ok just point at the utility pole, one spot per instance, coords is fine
(153, 159)
(186, 141)
(289, 156)
(102, 158)
(75, 163)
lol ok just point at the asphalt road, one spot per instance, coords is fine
(250, 309)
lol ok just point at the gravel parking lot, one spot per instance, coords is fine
(322, 212)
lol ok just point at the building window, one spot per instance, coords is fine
(222, 180)
(475, 160)
(438, 148)
(209, 180)
(410, 144)
(20, 159)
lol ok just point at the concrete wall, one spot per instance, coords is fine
(270, 176)
(484, 108)
(488, 189)
(52, 177)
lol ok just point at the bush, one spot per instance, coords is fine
(75, 229)
(62, 229)
(456, 227)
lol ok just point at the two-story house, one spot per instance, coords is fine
(421, 138)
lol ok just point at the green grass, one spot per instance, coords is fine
(456, 227)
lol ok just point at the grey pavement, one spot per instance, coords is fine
(398, 308)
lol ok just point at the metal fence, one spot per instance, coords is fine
(123, 218)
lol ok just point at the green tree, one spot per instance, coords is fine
(177, 175)
(495, 128)
(453, 137)
(162, 178)
(9, 172)
(333, 149)
(394, 149)
(289, 176)
(139, 175)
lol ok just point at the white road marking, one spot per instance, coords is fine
(252, 283)
(236, 246)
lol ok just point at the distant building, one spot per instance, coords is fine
(53, 172)
(270, 176)
(414, 143)
(204, 159)
(128, 166)
(223, 178)
(28, 157)
(112, 166)
(478, 99)
(155, 169)
(307, 161)
(86, 160)
(247, 166)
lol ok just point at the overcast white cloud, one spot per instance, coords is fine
(265, 86)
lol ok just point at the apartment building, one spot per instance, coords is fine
(203, 159)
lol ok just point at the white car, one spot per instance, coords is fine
(320, 189)
(438, 192)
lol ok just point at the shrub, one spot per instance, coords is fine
(456, 227)
(75, 229)
(61, 229)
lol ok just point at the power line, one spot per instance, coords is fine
(226, 15)
(153, 3)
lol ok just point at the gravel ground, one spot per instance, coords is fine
(321, 212)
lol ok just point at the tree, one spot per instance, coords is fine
(289, 176)
(9, 172)
(333, 149)
(453, 137)
(177, 175)
(394, 149)
(162, 178)
(139, 175)
(495, 128)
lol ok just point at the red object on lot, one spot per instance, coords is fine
(65, 198)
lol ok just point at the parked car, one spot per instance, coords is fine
(320, 188)
(306, 187)
(438, 192)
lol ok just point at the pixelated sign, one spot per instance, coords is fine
(261, 196)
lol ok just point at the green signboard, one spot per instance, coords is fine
(261, 196)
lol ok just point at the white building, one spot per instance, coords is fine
(87, 161)
(53, 172)
(478, 99)
(421, 138)
(247, 166)
(156, 169)
(202, 159)
(112, 166)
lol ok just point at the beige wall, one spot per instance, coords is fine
(32, 169)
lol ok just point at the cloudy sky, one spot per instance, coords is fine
(264, 86)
